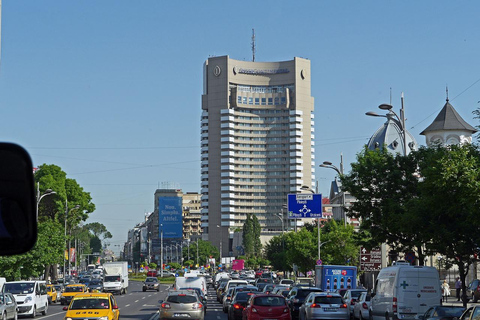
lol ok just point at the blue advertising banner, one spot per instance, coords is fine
(304, 205)
(170, 216)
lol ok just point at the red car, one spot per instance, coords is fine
(152, 273)
(266, 306)
(258, 273)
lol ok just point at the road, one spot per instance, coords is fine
(140, 305)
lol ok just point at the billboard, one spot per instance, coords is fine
(170, 217)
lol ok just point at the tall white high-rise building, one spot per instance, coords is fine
(257, 143)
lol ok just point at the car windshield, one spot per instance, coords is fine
(356, 294)
(96, 282)
(151, 280)
(304, 293)
(90, 303)
(181, 298)
(328, 300)
(19, 288)
(73, 289)
(242, 296)
(449, 311)
(112, 279)
(271, 301)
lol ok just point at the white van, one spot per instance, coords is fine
(31, 296)
(405, 292)
(191, 282)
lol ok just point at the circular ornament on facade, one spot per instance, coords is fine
(217, 71)
(303, 73)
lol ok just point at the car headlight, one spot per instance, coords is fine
(103, 318)
(28, 299)
(68, 318)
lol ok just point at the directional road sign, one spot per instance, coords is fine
(304, 205)
(370, 260)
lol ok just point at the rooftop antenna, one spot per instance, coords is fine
(253, 45)
(446, 89)
(390, 95)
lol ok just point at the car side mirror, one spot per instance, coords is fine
(160, 301)
(18, 214)
(115, 307)
(65, 308)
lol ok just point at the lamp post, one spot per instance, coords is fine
(399, 120)
(329, 165)
(65, 234)
(220, 243)
(306, 188)
(47, 192)
(161, 250)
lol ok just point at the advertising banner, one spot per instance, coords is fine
(238, 264)
(170, 217)
(72, 255)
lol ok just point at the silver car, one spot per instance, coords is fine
(182, 304)
(324, 305)
(8, 306)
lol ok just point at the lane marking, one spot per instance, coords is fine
(136, 301)
(50, 314)
(155, 315)
(127, 305)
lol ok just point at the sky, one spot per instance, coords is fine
(110, 90)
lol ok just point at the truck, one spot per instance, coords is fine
(332, 278)
(115, 279)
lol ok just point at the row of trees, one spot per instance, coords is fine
(427, 202)
(70, 206)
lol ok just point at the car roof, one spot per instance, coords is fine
(76, 285)
(93, 295)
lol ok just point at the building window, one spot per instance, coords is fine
(270, 101)
(250, 100)
(284, 100)
(257, 101)
(277, 101)
(245, 100)
(239, 100)
(264, 101)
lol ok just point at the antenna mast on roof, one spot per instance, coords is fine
(253, 45)
(446, 88)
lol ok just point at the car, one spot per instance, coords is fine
(239, 302)
(288, 282)
(473, 290)
(443, 313)
(200, 295)
(95, 285)
(85, 305)
(266, 306)
(152, 273)
(181, 304)
(324, 305)
(59, 288)
(361, 310)
(8, 306)
(221, 289)
(52, 293)
(71, 291)
(280, 289)
(350, 297)
(227, 298)
(471, 313)
(151, 283)
(31, 296)
(268, 288)
(297, 296)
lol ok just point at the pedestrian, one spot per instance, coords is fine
(445, 291)
(458, 287)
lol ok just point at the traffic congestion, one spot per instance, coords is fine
(228, 295)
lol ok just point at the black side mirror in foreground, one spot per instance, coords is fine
(18, 216)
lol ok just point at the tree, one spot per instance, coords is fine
(341, 245)
(301, 249)
(275, 252)
(205, 251)
(257, 230)
(247, 236)
(383, 184)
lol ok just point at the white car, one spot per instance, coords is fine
(362, 307)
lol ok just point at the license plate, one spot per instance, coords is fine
(181, 315)
(330, 309)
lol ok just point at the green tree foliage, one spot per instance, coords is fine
(301, 249)
(383, 185)
(247, 236)
(205, 251)
(257, 230)
(339, 244)
(276, 253)
(47, 251)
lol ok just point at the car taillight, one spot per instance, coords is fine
(343, 305)
(238, 306)
(197, 306)
(364, 305)
(165, 306)
(315, 305)
(394, 305)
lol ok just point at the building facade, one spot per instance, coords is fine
(257, 143)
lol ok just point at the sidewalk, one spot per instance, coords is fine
(452, 301)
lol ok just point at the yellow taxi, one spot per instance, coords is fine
(52, 293)
(71, 291)
(93, 305)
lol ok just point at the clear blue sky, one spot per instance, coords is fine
(110, 90)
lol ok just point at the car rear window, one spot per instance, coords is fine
(269, 301)
(305, 292)
(328, 300)
(182, 299)
(243, 296)
(356, 294)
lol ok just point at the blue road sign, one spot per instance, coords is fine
(304, 205)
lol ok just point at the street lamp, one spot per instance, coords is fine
(65, 234)
(306, 188)
(399, 120)
(161, 250)
(47, 192)
(220, 242)
(329, 165)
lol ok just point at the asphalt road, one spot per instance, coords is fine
(140, 305)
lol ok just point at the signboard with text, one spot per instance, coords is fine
(370, 260)
(170, 216)
(304, 205)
